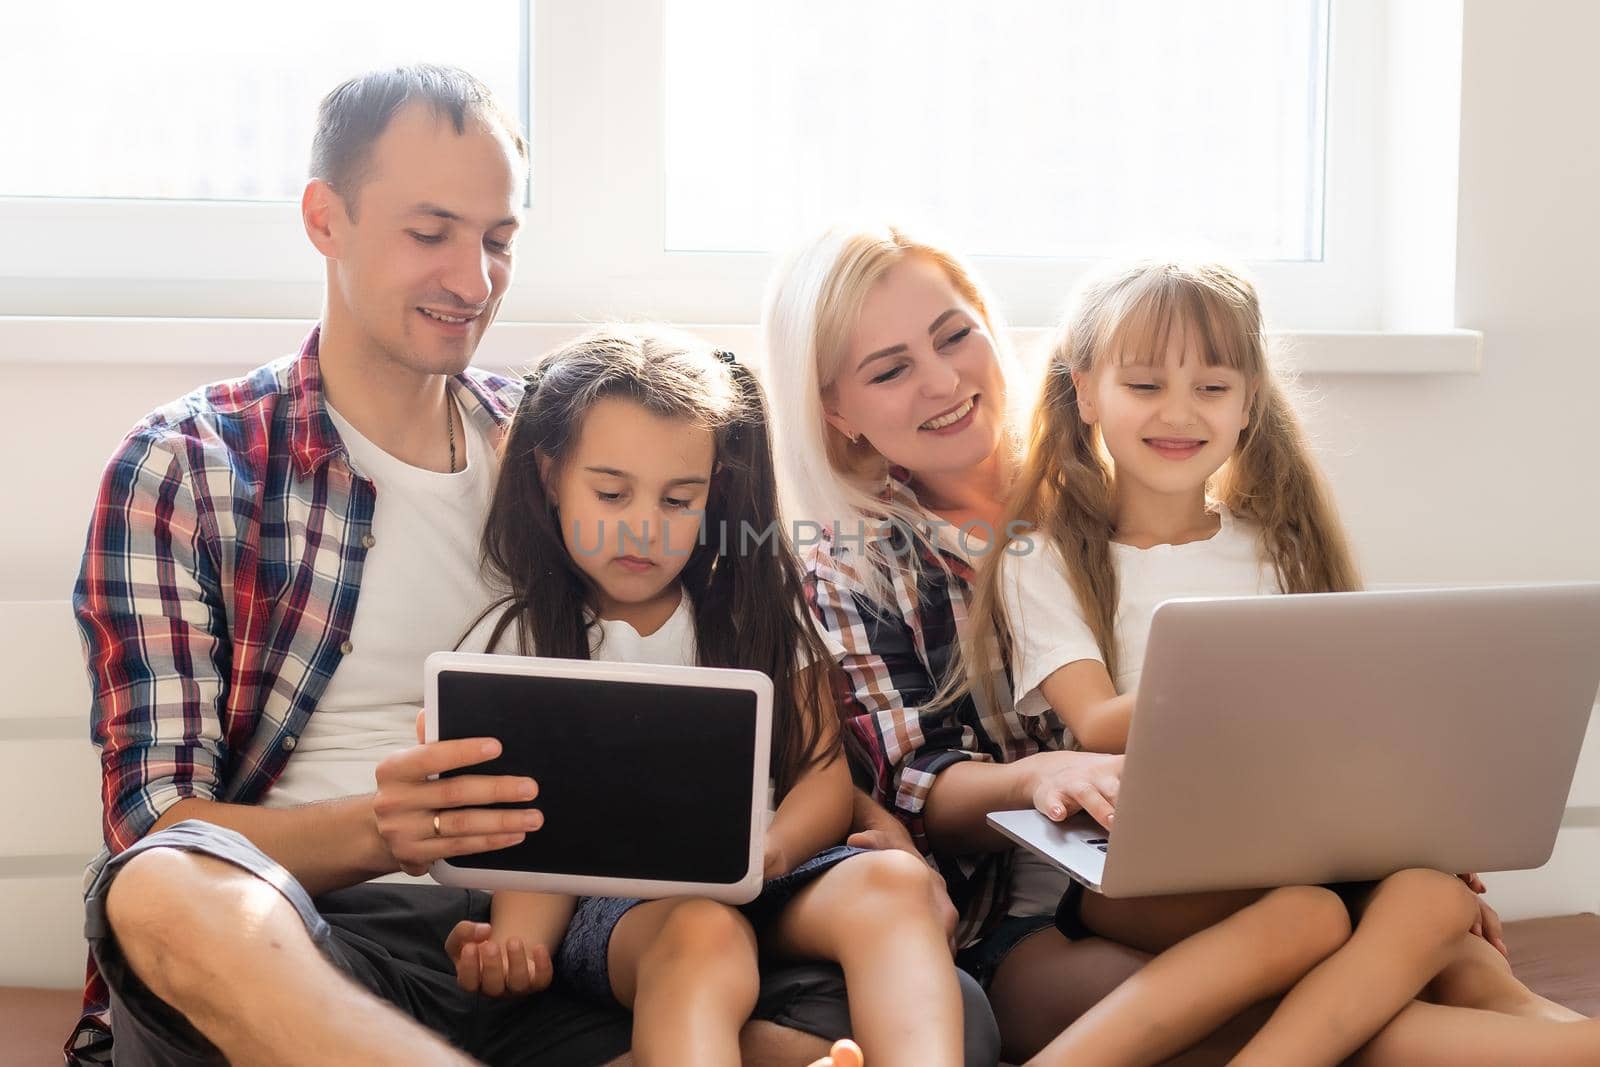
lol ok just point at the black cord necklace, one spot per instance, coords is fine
(450, 427)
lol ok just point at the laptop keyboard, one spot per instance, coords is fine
(1099, 843)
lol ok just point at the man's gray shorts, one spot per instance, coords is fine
(390, 940)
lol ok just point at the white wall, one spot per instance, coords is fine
(1447, 478)
(1490, 476)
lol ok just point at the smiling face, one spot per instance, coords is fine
(631, 495)
(1169, 423)
(920, 382)
(421, 255)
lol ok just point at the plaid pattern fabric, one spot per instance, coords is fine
(895, 657)
(216, 597)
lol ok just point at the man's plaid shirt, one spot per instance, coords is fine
(895, 657)
(216, 596)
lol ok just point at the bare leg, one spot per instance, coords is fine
(227, 951)
(769, 1044)
(1406, 934)
(1481, 1014)
(877, 915)
(1224, 1043)
(1194, 987)
(1431, 1035)
(1155, 924)
(1479, 977)
(687, 968)
(1046, 982)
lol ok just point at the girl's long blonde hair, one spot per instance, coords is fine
(812, 305)
(1067, 485)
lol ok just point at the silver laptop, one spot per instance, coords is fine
(1294, 740)
(652, 779)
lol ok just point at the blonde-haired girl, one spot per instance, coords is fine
(1165, 460)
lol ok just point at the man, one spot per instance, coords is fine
(268, 563)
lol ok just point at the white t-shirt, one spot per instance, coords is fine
(420, 588)
(1049, 631)
(671, 645)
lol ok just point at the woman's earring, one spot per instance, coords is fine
(855, 438)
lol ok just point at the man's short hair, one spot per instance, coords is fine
(353, 116)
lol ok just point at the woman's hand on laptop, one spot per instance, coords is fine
(423, 818)
(484, 965)
(1064, 783)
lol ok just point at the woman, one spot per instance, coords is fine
(891, 403)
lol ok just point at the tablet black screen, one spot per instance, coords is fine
(635, 780)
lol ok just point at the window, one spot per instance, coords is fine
(678, 144)
(1028, 128)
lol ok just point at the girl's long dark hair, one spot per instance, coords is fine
(742, 580)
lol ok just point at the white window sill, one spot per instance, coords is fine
(219, 343)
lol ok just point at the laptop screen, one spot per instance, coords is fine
(636, 780)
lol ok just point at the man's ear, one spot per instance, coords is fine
(1087, 411)
(322, 209)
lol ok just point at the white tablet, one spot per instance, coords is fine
(652, 779)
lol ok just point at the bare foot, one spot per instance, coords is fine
(845, 1053)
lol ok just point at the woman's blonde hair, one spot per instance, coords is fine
(812, 305)
(1066, 487)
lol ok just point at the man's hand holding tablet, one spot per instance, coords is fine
(423, 818)
(626, 756)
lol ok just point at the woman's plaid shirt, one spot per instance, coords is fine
(896, 654)
(216, 596)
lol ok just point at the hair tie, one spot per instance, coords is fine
(727, 357)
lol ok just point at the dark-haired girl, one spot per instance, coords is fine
(633, 470)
